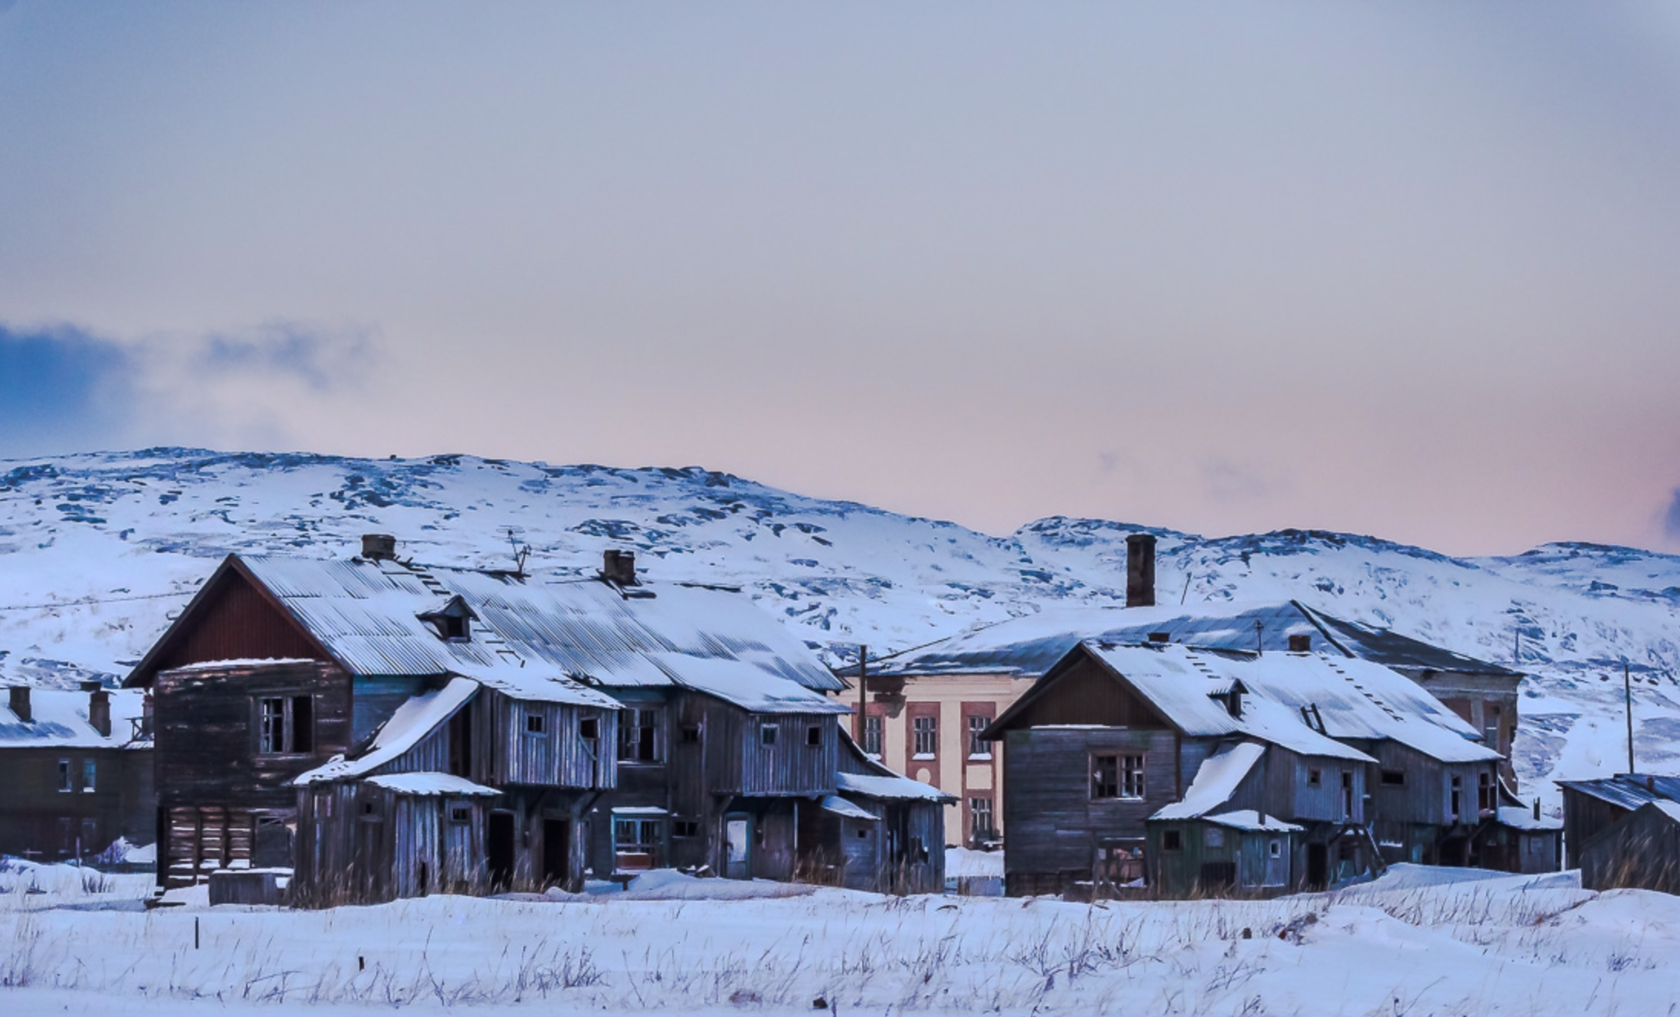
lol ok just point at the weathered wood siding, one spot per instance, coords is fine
(214, 786)
(1086, 693)
(1584, 816)
(1641, 850)
(1054, 823)
(559, 755)
(790, 766)
(359, 843)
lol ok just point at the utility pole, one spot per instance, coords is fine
(1627, 699)
(863, 679)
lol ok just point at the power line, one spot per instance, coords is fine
(88, 601)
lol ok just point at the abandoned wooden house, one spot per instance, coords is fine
(926, 706)
(389, 729)
(1172, 771)
(78, 768)
(1593, 806)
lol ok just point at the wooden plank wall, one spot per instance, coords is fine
(1053, 821)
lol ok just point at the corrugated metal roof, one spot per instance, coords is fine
(1628, 791)
(527, 631)
(1030, 646)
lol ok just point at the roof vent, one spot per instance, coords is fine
(20, 703)
(619, 567)
(379, 547)
(1300, 642)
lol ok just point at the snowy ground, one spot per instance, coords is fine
(1422, 941)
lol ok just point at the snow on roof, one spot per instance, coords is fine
(1252, 822)
(640, 810)
(366, 614)
(1176, 680)
(59, 719)
(214, 665)
(889, 788)
(1215, 782)
(417, 717)
(431, 784)
(1518, 818)
(1031, 645)
(742, 684)
(841, 807)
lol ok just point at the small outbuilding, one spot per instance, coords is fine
(1641, 850)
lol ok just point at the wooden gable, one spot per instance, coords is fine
(232, 618)
(1081, 690)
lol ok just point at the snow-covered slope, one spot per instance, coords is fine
(97, 551)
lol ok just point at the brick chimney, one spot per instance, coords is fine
(1300, 642)
(20, 703)
(1140, 570)
(99, 710)
(619, 567)
(379, 547)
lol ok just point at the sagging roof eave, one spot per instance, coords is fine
(144, 672)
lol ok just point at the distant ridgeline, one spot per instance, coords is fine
(100, 550)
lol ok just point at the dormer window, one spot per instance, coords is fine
(452, 622)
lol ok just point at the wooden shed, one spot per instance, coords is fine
(1640, 850)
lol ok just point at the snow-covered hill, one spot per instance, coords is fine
(97, 551)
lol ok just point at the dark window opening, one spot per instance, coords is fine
(460, 814)
(689, 734)
(1116, 776)
(638, 736)
(1171, 840)
(685, 828)
(1315, 778)
(813, 735)
(978, 746)
(767, 734)
(1393, 778)
(534, 724)
(589, 729)
(285, 725)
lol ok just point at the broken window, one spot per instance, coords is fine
(285, 725)
(1315, 778)
(638, 735)
(1487, 798)
(637, 843)
(536, 724)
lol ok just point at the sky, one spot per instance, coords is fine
(1398, 268)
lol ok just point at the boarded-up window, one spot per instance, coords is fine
(1213, 837)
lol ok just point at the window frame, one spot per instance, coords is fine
(873, 735)
(924, 742)
(646, 724)
(978, 748)
(281, 732)
(90, 774)
(66, 777)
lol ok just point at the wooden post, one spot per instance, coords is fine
(1627, 699)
